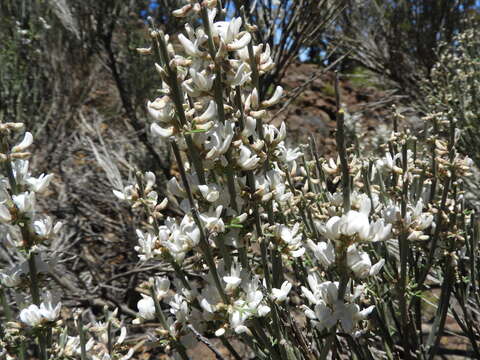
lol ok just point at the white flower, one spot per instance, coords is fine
(287, 154)
(320, 291)
(31, 315)
(10, 280)
(234, 279)
(203, 82)
(331, 167)
(212, 220)
(219, 140)
(323, 252)
(48, 311)
(329, 309)
(228, 30)
(179, 308)
(191, 231)
(146, 308)
(266, 62)
(356, 224)
(211, 192)
(209, 114)
(175, 188)
(128, 193)
(275, 97)
(254, 299)
(191, 47)
(358, 261)
(25, 201)
(161, 109)
(162, 132)
(162, 286)
(274, 136)
(292, 237)
(276, 180)
(379, 231)
(45, 228)
(241, 76)
(247, 161)
(248, 307)
(389, 163)
(34, 315)
(150, 180)
(40, 184)
(238, 317)
(240, 43)
(72, 346)
(250, 128)
(24, 144)
(348, 315)
(183, 11)
(280, 295)
(179, 238)
(147, 244)
(20, 170)
(325, 316)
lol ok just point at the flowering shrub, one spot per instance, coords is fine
(260, 251)
(454, 85)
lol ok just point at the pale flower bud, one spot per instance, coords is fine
(149, 181)
(144, 51)
(277, 95)
(183, 11)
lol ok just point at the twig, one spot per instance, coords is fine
(206, 342)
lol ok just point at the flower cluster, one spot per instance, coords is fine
(29, 234)
(236, 178)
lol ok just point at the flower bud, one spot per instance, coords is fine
(183, 11)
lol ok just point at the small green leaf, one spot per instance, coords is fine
(194, 131)
(237, 226)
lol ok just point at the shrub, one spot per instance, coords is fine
(295, 256)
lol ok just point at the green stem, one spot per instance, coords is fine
(81, 333)
(341, 147)
(161, 317)
(6, 307)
